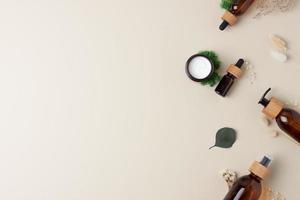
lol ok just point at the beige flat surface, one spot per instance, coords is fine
(95, 103)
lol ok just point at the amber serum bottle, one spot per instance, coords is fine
(233, 72)
(238, 8)
(287, 119)
(249, 187)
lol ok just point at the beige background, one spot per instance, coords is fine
(95, 103)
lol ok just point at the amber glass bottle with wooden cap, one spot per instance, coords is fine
(233, 72)
(238, 8)
(249, 187)
(287, 119)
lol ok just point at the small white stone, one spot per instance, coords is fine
(273, 133)
(279, 56)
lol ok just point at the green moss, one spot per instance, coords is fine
(226, 4)
(213, 57)
(215, 78)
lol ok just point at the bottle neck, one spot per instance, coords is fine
(231, 75)
(252, 175)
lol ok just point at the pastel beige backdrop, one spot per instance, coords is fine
(95, 103)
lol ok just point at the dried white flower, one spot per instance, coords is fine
(276, 196)
(251, 74)
(266, 7)
(229, 176)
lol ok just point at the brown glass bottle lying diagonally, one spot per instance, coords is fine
(238, 8)
(249, 187)
(287, 119)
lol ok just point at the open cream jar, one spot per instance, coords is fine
(199, 68)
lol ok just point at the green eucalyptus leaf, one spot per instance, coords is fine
(225, 138)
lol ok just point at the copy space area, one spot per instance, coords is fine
(95, 103)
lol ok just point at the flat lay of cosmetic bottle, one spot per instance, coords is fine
(238, 8)
(249, 187)
(287, 119)
(233, 72)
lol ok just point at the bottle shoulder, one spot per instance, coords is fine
(289, 121)
(250, 177)
(287, 114)
(229, 76)
(247, 187)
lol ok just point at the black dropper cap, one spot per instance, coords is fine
(223, 25)
(265, 161)
(264, 101)
(240, 63)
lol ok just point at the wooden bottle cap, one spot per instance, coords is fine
(229, 17)
(235, 71)
(273, 108)
(259, 170)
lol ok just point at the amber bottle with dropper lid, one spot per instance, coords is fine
(238, 8)
(249, 187)
(287, 119)
(233, 72)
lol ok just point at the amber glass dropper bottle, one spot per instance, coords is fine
(249, 187)
(233, 72)
(287, 119)
(238, 8)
